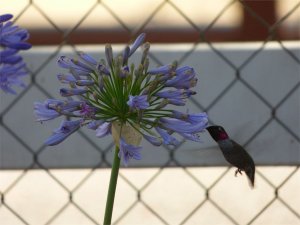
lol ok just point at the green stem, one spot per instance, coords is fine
(112, 188)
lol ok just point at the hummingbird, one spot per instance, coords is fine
(234, 153)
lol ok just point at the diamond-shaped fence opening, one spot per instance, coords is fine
(250, 88)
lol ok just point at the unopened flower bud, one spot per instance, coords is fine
(100, 82)
(109, 55)
(145, 52)
(85, 82)
(146, 64)
(162, 104)
(137, 43)
(126, 55)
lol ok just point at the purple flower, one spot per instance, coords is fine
(94, 124)
(178, 102)
(5, 17)
(66, 92)
(8, 56)
(52, 108)
(168, 139)
(86, 111)
(175, 97)
(10, 76)
(44, 113)
(124, 71)
(184, 127)
(78, 66)
(184, 79)
(66, 78)
(175, 94)
(128, 151)
(193, 137)
(138, 102)
(103, 130)
(191, 118)
(60, 105)
(166, 69)
(54, 103)
(82, 65)
(87, 58)
(65, 130)
(153, 140)
(137, 43)
(12, 36)
(12, 68)
(103, 69)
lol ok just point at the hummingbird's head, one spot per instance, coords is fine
(218, 133)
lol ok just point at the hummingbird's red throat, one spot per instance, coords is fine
(223, 136)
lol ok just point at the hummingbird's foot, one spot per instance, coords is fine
(238, 171)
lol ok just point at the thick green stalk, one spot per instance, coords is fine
(112, 188)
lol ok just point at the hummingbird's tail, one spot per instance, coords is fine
(250, 172)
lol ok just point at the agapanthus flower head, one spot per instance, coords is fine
(11, 35)
(127, 101)
(12, 67)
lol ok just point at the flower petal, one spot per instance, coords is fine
(138, 102)
(153, 140)
(103, 130)
(137, 43)
(65, 130)
(168, 139)
(128, 151)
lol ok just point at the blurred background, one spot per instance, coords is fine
(247, 55)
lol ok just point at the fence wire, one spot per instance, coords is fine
(202, 33)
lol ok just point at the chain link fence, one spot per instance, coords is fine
(208, 193)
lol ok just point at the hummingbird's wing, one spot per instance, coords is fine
(238, 155)
(244, 161)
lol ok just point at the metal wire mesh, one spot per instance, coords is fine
(139, 191)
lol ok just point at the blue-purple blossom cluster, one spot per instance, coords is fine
(112, 90)
(12, 67)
